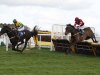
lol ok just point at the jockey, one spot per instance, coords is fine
(79, 24)
(19, 26)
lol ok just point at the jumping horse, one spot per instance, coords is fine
(15, 39)
(77, 37)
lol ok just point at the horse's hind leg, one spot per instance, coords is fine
(20, 44)
(94, 39)
(13, 48)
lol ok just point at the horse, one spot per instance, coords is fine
(76, 37)
(17, 40)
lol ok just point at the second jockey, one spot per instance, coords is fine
(79, 24)
(19, 26)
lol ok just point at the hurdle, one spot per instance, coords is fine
(59, 40)
(61, 45)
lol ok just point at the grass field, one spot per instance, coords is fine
(44, 62)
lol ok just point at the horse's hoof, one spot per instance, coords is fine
(21, 51)
(13, 49)
(96, 41)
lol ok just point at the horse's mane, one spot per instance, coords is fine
(70, 25)
(6, 26)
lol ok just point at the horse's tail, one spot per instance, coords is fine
(35, 31)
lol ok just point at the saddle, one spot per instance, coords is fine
(21, 33)
(81, 31)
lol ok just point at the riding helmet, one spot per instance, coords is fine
(76, 18)
(14, 21)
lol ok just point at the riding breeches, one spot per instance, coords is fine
(82, 27)
(79, 27)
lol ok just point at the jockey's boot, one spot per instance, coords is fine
(78, 30)
(82, 31)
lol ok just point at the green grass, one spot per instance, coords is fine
(44, 62)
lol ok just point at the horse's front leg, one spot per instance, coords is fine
(72, 45)
(72, 48)
(24, 46)
(13, 47)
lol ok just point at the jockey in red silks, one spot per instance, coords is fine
(79, 24)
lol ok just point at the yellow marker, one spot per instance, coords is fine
(35, 40)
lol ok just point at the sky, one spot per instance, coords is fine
(46, 13)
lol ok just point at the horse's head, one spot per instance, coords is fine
(69, 29)
(5, 29)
